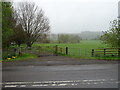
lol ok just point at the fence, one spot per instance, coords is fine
(74, 51)
(39, 51)
(86, 52)
(70, 51)
(106, 52)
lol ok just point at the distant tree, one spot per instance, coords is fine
(90, 35)
(74, 38)
(63, 38)
(68, 38)
(112, 36)
(43, 38)
(7, 23)
(32, 20)
(53, 38)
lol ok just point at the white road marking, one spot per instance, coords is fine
(11, 86)
(54, 85)
(101, 82)
(39, 85)
(88, 83)
(57, 83)
(74, 84)
(62, 84)
(95, 83)
(22, 85)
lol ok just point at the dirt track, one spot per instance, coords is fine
(56, 60)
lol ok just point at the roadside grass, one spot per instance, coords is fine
(24, 56)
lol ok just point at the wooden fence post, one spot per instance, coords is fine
(118, 52)
(61, 50)
(104, 52)
(66, 50)
(56, 49)
(92, 52)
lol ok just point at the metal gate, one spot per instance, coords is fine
(42, 51)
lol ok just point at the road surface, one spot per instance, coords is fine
(61, 76)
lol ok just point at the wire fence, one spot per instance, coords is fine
(80, 52)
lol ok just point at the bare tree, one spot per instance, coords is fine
(32, 20)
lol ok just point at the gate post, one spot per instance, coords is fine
(66, 50)
(92, 52)
(104, 52)
(118, 52)
(61, 50)
(56, 49)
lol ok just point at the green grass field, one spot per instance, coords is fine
(82, 49)
(83, 44)
(79, 50)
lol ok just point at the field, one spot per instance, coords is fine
(80, 50)
(83, 44)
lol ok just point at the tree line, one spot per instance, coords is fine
(64, 38)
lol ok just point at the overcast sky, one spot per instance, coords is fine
(75, 16)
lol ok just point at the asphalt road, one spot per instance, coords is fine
(61, 76)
